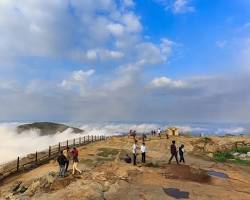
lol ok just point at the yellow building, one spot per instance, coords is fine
(173, 131)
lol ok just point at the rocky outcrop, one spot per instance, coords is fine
(47, 128)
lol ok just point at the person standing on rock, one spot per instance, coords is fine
(68, 156)
(61, 161)
(75, 161)
(135, 150)
(143, 153)
(173, 152)
(181, 153)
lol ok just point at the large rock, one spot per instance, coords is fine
(47, 128)
(114, 188)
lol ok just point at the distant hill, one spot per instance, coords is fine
(47, 128)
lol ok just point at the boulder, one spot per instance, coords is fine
(114, 188)
(235, 154)
(15, 186)
(243, 155)
(210, 155)
(248, 154)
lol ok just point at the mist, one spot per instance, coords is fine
(14, 144)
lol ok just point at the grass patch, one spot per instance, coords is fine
(242, 149)
(152, 164)
(241, 162)
(105, 159)
(223, 156)
(87, 162)
(107, 152)
(123, 153)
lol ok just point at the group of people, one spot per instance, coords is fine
(159, 132)
(64, 160)
(136, 150)
(173, 150)
(174, 153)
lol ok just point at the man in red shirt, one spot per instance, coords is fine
(173, 152)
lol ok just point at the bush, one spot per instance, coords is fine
(106, 152)
(223, 156)
(241, 162)
(242, 149)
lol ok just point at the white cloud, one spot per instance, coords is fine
(116, 29)
(77, 79)
(132, 23)
(234, 130)
(91, 54)
(177, 6)
(129, 3)
(167, 82)
(182, 6)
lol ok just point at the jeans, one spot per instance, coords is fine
(134, 158)
(143, 157)
(182, 158)
(172, 156)
(67, 166)
(62, 170)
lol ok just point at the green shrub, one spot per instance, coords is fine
(222, 156)
(242, 149)
(106, 152)
(241, 162)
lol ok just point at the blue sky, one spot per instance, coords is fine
(110, 60)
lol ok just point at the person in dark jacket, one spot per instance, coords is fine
(173, 152)
(68, 156)
(61, 159)
(181, 153)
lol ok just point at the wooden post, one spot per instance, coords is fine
(74, 142)
(49, 151)
(80, 141)
(17, 164)
(95, 137)
(59, 147)
(67, 144)
(88, 138)
(84, 139)
(92, 138)
(36, 156)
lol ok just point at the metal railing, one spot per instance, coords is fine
(38, 158)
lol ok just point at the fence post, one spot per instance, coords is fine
(36, 156)
(67, 144)
(74, 142)
(17, 164)
(88, 138)
(84, 139)
(92, 138)
(59, 147)
(49, 151)
(80, 140)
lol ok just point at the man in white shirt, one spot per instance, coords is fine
(135, 149)
(143, 153)
(159, 132)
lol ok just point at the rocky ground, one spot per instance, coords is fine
(106, 176)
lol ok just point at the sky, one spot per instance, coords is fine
(125, 60)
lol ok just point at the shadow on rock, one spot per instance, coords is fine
(176, 193)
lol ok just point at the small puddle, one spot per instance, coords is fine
(176, 193)
(218, 174)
